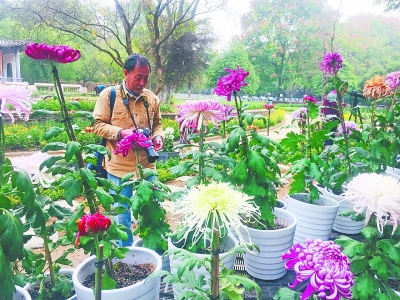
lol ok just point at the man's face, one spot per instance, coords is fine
(137, 79)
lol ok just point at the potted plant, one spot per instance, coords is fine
(97, 232)
(168, 146)
(14, 184)
(257, 174)
(375, 260)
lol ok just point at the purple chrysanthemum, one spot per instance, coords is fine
(332, 63)
(192, 113)
(17, 96)
(310, 99)
(324, 264)
(300, 114)
(350, 126)
(393, 79)
(231, 82)
(134, 139)
(58, 53)
(229, 112)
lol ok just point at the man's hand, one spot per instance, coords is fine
(158, 143)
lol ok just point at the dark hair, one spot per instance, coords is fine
(134, 60)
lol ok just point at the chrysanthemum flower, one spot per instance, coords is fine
(19, 97)
(231, 82)
(58, 53)
(376, 88)
(31, 165)
(375, 194)
(215, 206)
(268, 106)
(229, 112)
(310, 99)
(324, 264)
(135, 139)
(300, 114)
(393, 79)
(193, 113)
(350, 126)
(332, 63)
(91, 224)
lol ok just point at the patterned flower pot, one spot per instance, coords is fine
(344, 224)
(314, 221)
(62, 271)
(143, 290)
(165, 259)
(268, 264)
(227, 260)
(21, 294)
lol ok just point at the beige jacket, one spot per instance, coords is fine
(118, 165)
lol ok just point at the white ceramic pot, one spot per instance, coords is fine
(314, 221)
(62, 271)
(344, 224)
(21, 294)
(165, 259)
(143, 290)
(395, 171)
(228, 262)
(268, 264)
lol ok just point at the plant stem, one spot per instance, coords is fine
(239, 114)
(308, 146)
(99, 269)
(201, 158)
(346, 140)
(394, 96)
(215, 264)
(71, 135)
(269, 117)
(49, 260)
(372, 119)
(2, 150)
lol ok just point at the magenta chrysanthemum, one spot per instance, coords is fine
(393, 79)
(192, 113)
(350, 126)
(332, 63)
(58, 53)
(229, 112)
(310, 99)
(17, 96)
(135, 139)
(231, 82)
(300, 114)
(268, 106)
(324, 264)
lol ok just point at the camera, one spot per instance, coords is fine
(152, 154)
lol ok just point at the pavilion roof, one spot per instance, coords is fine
(6, 44)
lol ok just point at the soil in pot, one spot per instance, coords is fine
(394, 284)
(125, 275)
(48, 295)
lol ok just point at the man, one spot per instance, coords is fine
(125, 119)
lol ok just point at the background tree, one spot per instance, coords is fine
(390, 5)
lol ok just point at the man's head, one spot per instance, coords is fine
(136, 71)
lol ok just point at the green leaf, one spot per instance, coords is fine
(105, 198)
(239, 173)
(212, 173)
(370, 232)
(108, 283)
(52, 132)
(48, 163)
(389, 250)
(378, 265)
(182, 168)
(359, 265)
(73, 104)
(58, 211)
(41, 112)
(88, 177)
(72, 149)
(286, 294)
(72, 188)
(366, 286)
(257, 163)
(5, 202)
(248, 117)
(11, 232)
(56, 146)
(84, 114)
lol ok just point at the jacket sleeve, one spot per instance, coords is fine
(157, 124)
(102, 117)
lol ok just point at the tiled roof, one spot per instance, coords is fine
(9, 44)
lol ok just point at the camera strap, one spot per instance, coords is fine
(126, 103)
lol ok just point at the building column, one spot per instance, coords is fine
(17, 66)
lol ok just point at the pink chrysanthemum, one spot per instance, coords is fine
(332, 63)
(135, 139)
(231, 82)
(192, 113)
(300, 114)
(310, 99)
(350, 126)
(229, 112)
(17, 96)
(268, 106)
(393, 79)
(58, 53)
(324, 264)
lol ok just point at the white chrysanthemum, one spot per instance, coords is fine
(218, 205)
(31, 165)
(169, 130)
(375, 194)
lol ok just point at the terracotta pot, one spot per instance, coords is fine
(143, 290)
(314, 221)
(268, 264)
